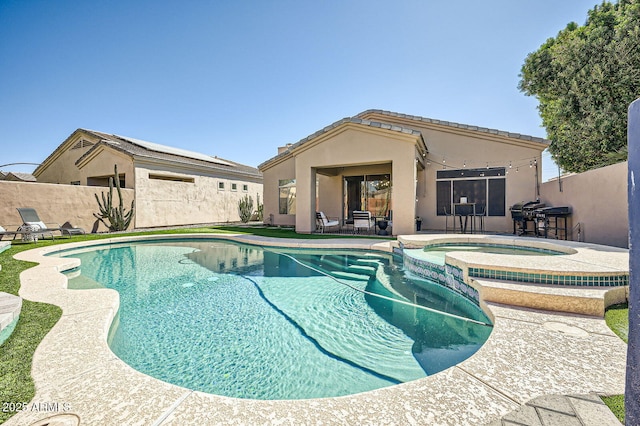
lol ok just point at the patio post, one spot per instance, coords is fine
(632, 390)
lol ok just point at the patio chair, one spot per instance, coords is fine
(480, 213)
(447, 215)
(362, 220)
(323, 223)
(30, 217)
(26, 232)
(4, 232)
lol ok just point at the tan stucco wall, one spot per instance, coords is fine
(62, 169)
(55, 204)
(356, 147)
(359, 146)
(520, 185)
(459, 149)
(598, 199)
(166, 203)
(348, 146)
(285, 170)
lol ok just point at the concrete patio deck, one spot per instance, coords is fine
(530, 353)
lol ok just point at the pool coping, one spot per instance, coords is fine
(529, 353)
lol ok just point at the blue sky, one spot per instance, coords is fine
(237, 79)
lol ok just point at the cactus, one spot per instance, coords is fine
(119, 220)
(259, 209)
(245, 208)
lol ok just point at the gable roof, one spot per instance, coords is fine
(455, 125)
(139, 149)
(18, 176)
(353, 120)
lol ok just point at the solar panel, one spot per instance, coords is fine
(175, 151)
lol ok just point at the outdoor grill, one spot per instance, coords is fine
(522, 213)
(553, 219)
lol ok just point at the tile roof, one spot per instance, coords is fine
(139, 148)
(18, 176)
(355, 120)
(456, 125)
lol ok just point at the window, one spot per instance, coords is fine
(234, 186)
(104, 180)
(172, 178)
(484, 187)
(221, 186)
(245, 188)
(287, 196)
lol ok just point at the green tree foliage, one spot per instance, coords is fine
(585, 78)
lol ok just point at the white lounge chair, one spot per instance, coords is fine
(323, 223)
(362, 220)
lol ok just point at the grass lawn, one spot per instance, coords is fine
(36, 319)
(617, 318)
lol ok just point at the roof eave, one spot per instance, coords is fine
(330, 129)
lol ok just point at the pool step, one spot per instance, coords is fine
(331, 263)
(364, 270)
(349, 276)
(369, 262)
(573, 299)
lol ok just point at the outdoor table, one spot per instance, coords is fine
(466, 210)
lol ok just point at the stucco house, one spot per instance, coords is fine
(403, 167)
(172, 186)
(17, 177)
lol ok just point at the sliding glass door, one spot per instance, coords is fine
(367, 193)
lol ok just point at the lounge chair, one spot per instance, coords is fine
(26, 232)
(4, 232)
(362, 220)
(30, 217)
(323, 223)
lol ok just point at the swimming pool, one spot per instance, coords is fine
(250, 322)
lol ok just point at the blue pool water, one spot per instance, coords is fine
(248, 322)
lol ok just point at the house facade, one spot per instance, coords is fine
(401, 167)
(172, 186)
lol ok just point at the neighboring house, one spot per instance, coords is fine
(401, 166)
(172, 186)
(18, 177)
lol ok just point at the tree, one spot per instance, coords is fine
(584, 79)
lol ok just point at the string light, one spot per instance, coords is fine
(512, 163)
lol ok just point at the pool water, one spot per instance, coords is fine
(248, 322)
